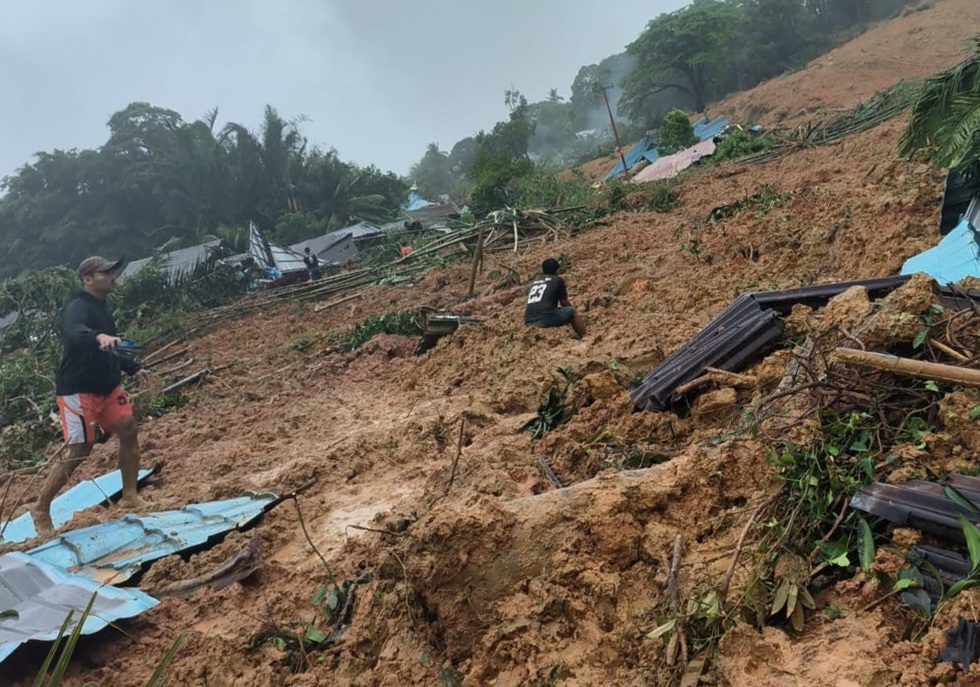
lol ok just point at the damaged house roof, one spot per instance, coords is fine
(737, 334)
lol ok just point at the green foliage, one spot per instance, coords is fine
(556, 409)
(945, 120)
(402, 323)
(676, 133)
(38, 299)
(546, 187)
(160, 180)
(740, 143)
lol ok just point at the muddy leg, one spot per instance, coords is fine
(127, 430)
(57, 478)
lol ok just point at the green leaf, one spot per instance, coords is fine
(866, 544)
(661, 630)
(975, 412)
(333, 599)
(920, 338)
(10, 613)
(314, 635)
(931, 386)
(965, 583)
(319, 595)
(972, 535)
(842, 560)
(954, 495)
(806, 599)
(903, 584)
(782, 594)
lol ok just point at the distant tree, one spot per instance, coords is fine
(688, 50)
(587, 91)
(676, 133)
(433, 173)
(945, 120)
(553, 96)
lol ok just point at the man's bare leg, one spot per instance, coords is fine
(127, 430)
(58, 477)
(578, 325)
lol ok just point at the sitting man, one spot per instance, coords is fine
(547, 301)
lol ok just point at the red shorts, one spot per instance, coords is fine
(80, 413)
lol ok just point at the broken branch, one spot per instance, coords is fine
(906, 366)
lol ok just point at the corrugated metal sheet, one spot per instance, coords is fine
(955, 257)
(705, 130)
(114, 551)
(633, 156)
(669, 166)
(738, 333)
(268, 254)
(83, 495)
(178, 263)
(332, 249)
(42, 596)
(434, 213)
(922, 505)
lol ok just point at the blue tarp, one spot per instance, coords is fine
(81, 496)
(956, 256)
(42, 596)
(634, 155)
(114, 551)
(415, 201)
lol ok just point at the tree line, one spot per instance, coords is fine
(683, 59)
(160, 182)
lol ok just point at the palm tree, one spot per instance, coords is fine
(945, 120)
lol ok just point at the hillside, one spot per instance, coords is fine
(912, 46)
(502, 579)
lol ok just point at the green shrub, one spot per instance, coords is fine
(741, 143)
(676, 133)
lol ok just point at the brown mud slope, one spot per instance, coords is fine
(490, 576)
(912, 46)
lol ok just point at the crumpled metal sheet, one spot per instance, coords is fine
(112, 552)
(42, 595)
(83, 495)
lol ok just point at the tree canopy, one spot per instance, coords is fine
(160, 180)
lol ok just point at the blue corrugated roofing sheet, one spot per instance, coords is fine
(42, 596)
(705, 130)
(634, 155)
(114, 551)
(956, 256)
(83, 495)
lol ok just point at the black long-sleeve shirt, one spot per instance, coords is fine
(85, 369)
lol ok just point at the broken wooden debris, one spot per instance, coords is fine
(906, 366)
(240, 565)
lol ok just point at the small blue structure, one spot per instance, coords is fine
(83, 495)
(634, 155)
(646, 150)
(112, 552)
(41, 596)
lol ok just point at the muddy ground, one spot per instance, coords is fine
(494, 577)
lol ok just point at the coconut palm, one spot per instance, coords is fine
(945, 120)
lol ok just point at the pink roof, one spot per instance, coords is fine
(671, 165)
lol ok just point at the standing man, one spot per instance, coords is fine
(547, 301)
(88, 390)
(312, 264)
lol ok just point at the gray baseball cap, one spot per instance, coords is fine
(97, 263)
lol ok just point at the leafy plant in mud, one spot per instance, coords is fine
(556, 409)
(55, 664)
(402, 323)
(739, 144)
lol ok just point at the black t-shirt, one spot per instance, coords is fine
(311, 260)
(547, 291)
(85, 369)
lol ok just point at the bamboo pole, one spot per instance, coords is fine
(906, 366)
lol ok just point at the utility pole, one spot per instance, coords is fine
(612, 121)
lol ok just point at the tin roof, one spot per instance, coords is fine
(112, 552)
(83, 495)
(180, 262)
(334, 248)
(737, 334)
(42, 595)
(268, 254)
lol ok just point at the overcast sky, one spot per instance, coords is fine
(377, 79)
